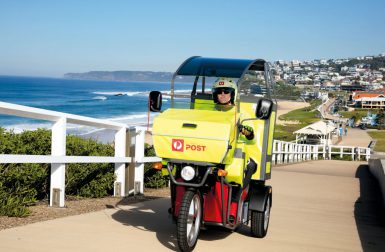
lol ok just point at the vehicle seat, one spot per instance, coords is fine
(202, 101)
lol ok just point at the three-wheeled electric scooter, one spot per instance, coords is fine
(217, 176)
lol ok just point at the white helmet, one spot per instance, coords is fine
(224, 84)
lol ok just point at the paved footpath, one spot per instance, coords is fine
(317, 206)
(355, 137)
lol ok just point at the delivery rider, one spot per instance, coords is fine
(224, 93)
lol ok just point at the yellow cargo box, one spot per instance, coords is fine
(196, 135)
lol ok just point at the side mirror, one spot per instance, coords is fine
(155, 101)
(263, 109)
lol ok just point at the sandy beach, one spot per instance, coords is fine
(287, 106)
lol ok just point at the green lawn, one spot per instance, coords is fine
(350, 114)
(285, 133)
(304, 116)
(301, 115)
(379, 136)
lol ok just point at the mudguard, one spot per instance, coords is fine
(258, 197)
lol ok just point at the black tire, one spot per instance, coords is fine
(260, 220)
(189, 220)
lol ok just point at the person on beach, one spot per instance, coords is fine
(224, 93)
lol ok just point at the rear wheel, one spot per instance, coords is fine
(189, 220)
(260, 220)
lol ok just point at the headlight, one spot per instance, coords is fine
(187, 173)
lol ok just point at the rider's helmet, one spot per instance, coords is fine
(224, 85)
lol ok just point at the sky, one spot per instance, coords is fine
(50, 38)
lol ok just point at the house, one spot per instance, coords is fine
(369, 100)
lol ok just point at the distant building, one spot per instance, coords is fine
(369, 100)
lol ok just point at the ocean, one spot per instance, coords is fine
(124, 102)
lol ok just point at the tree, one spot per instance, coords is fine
(380, 119)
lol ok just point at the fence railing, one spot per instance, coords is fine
(129, 149)
(125, 138)
(287, 152)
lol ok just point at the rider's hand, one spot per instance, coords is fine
(247, 131)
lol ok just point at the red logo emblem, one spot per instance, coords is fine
(221, 83)
(177, 145)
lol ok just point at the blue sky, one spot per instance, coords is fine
(50, 38)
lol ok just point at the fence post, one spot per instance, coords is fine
(139, 165)
(291, 155)
(359, 153)
(287, 153)
(315, 152)
(120, 168)
(58, 148)
(330, 152)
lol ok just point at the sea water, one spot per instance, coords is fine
(124, 102)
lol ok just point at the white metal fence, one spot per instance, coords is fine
(287, 152)
(58, 158)
(127, 138)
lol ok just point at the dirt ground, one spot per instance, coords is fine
(42, 212)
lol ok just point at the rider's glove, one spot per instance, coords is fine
(247, 131)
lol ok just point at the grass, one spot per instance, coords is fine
(350, 114)
(358, 113)
(301, 115)
(285, 132)
(379, 136)
(304, 116)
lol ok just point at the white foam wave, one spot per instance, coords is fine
(139, 93)
(128, 117)
(123, 93)
(99, 98)
(19, 128)
(112, 93)
(76, 129)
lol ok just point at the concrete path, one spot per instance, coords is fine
(355, 137)
(317, 206)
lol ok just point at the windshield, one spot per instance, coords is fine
(253, 85)
(191, 89)
(198, 96)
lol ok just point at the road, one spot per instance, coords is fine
(317, 206)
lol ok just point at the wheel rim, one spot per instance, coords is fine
(193, 220)
(267, 214)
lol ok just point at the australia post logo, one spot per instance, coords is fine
(179, 145)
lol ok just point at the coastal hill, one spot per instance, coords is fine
(121, 76)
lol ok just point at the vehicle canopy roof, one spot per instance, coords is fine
(219, 67)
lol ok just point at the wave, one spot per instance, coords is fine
(139, 93)
(99, 98)
(19, 128)
(132, 93)
(140, 119)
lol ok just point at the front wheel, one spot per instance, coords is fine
(189, 220)
(260, 220)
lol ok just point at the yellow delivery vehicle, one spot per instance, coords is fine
(215, 138)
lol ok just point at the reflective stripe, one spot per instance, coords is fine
(238, 153)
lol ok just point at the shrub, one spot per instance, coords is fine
(22, 185)
(153, 178)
